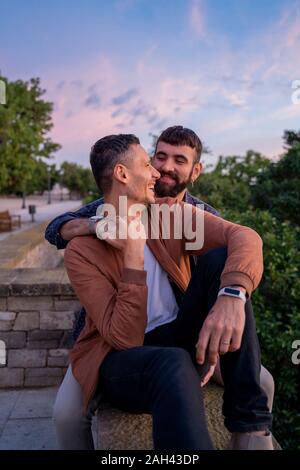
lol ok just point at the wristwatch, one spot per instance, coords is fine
(232, 292)
(92, 222)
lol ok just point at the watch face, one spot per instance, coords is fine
(232, 291)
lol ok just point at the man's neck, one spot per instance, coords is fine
(121, 205)
(182, 195)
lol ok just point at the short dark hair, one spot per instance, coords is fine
(179, 135)
(106, 153)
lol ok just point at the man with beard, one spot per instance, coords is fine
(177, 158)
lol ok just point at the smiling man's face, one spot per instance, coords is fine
(177, 167)
(142, 176)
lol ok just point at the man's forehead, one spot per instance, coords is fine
(140, 153)
(173, 150)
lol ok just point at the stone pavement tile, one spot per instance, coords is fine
(28, 434)
(35, 403)
(8, 399)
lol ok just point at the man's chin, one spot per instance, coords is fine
(164, 189)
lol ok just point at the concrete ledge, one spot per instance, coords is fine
(118, 430)
(15, 248)
(27, 282)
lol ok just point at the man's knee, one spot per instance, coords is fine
(268, 386)
(173, 364)
(67, 414)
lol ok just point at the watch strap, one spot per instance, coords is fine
(232, 292)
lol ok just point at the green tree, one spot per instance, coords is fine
(77, 179)
(229, 185)
(24, 124)
(278, 187)
(264, 195)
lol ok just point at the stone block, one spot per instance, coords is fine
(14, 339)
(30, 303)
(43, 377)
(26, 358)
(37, 282)
(3, 303)
(119, 430)
(42, 381)
(26, 321)
(67, 297)
(56, 320)
(58, 358)
(66, 288)
(11, 377)
(7, 320)
(44, 371)
(73, 305)
(6, 278)
(43, 344)
(40, 335)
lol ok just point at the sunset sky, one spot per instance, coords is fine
(222, 67)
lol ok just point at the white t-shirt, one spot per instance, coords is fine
(161, 303)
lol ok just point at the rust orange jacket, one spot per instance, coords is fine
(115, 297)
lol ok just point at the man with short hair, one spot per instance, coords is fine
(117, 333)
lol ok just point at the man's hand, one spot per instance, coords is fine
(75, 228)
(222, 330)
(127, 234)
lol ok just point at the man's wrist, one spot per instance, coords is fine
(92, 223)
(237, 292)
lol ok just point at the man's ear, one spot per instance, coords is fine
(196, 171)
(120, 173)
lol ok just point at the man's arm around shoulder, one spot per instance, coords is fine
(71, 224)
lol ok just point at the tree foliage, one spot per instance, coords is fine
(77, 179)
(24, 125)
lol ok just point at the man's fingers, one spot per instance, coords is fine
(225, 341)
(236, 339)
(202, 344)
(214, 346)
(208, 376)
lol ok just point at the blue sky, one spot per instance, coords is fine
(222, 67)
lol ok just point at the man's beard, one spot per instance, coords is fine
(163, 189)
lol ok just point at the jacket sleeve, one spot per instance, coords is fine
(119, 312)
(52, 233)
(244, 264)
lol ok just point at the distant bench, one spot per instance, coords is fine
(9, 221)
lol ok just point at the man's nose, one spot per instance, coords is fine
(155, 173)
(167, 166)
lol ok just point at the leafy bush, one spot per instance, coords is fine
(236, 188)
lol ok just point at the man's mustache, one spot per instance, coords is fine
(171, 174)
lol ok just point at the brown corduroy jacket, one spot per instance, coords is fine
(115, 298)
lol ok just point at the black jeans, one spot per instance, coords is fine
(160, 377)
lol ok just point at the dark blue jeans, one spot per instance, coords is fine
(160, 377)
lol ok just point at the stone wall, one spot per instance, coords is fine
(37, 311)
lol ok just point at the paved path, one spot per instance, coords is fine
(44, 211)
(26, 419)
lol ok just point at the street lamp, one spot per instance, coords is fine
(49, 183)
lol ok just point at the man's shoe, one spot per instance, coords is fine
(250, 441)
